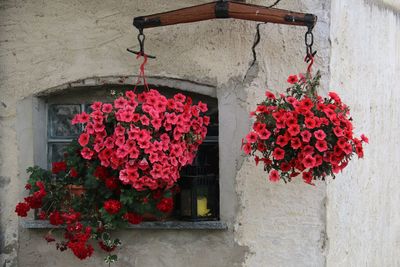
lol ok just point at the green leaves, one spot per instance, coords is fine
(111, 259)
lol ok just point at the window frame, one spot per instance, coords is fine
(84, 103)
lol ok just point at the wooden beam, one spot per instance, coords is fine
(225, 9)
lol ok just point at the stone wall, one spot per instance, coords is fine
(48, 43)
(363, 221)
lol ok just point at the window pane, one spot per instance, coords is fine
(60, 117)
(56, 152)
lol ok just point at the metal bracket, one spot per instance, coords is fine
(222, 9)
(308, 19)
(142, 22)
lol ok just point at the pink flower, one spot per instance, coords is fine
(274, 176)
(130, 94)
(202, 106)
(282, 140)
(144, 120)
(347, 148)
(294, 129)
(96, 105)
(310, 123)
(264, 134)
(179, 97)
(335, 97)
(296, 143)
(83, 139)
(107, 108)
(247, 148)
(307, 177)
(338, 131)
(320, 135)
(364, 138)
(270, 95)
(321, 145)
(251, 137)
(309, 161)
(292, 79)
(120, 102)
(278, 153)
(87, 153)
(306, 136)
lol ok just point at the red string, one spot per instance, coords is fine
(142, 76)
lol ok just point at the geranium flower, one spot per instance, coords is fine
(112, 206)
(22, 209)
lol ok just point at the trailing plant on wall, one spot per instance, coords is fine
(302, 133)
(123, 168)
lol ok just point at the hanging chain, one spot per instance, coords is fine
(309, 41)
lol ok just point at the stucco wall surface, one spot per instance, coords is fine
(363, 215)
(48, 43)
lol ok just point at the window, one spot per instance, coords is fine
(60, 110)
(60, 132)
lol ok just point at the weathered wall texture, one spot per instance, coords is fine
(48, 43)
(283, 225)
(363, 215)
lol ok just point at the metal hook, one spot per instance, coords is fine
(141, 38)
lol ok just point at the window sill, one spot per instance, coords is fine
(167, 225)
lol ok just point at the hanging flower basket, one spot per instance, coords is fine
(302, 133)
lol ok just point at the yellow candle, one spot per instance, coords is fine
(202, 207)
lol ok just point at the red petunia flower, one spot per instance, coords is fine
(309, 161)
(321, 145)
(274, 176)
(278, 153)
(295, 143)
(270, 95)
(292, 79)
(294, 129)
(319, 135)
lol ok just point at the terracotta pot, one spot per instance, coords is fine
(76, 190)
(148, 217)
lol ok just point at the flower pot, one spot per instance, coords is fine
(149, 217)
(76, 190)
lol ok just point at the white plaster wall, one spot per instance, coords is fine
(48, 43)
(363, 215)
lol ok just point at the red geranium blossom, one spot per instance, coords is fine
(58, 167)
(22, 209)
(112, 206)
(165, 205)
